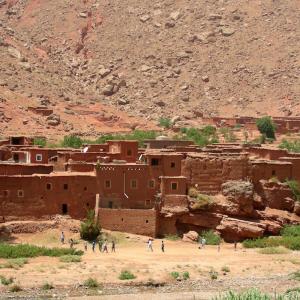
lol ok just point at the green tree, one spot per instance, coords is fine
(90, 228)
(266, 126)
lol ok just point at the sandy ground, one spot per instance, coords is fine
(244, 265)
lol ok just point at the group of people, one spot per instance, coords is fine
(150, 245)
(103, 246)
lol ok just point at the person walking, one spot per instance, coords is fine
(162, 246)
(235, 245)
(71, 243)
(94, 245)
(219, 247)
(105, 246)
(203, 242)
(62, 237)
(113, 246)
(85, 246)
(100, 244)
(150, 248)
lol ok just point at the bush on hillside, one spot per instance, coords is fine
(295, 187)
(211, 238)
(291, 146)
(202, 202)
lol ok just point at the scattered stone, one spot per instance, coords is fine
(226, 31)
(144, 18)
(191, 237)
(108, 90)
(123, 101)
(205, 78)
(175, 15)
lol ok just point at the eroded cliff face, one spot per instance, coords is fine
(238, 212)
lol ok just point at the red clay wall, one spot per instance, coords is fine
(37, 198)
(138, 221)
(25, 169)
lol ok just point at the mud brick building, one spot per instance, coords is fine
(148, 191)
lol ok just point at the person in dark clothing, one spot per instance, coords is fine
(93, 245)
(113, 246)
(105, 246)
(162, 246)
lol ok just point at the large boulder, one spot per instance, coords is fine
(237, 230)
(239, 193)
(191, 236)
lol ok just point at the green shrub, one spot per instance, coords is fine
(201, 137)
(193, 192)
(91, 283)
(185, 275)
(165, 122)
(40, 142)
(252, 294)
(47, 286)
(70, 259)
(15, 288)
(174, 274)
(26, 250)
(172, 237)
(293, 230)
(295, 275)
(211, 237)
(15, 263)
(6, 281)
(126, 275)
(273, 250)
(89, 228)
(202, 202)
(295, 187)
(72, 141)
(266, 127)
(213, 275)
(291, 146)
(225, 269)
(228, 134)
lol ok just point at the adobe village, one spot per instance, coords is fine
(159, 190)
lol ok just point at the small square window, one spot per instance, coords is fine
(49, 186)
(20, 193)
(148, 203)
(6, 193)
(66, 186)
(174, 186)
(172, 165)
(152, 184)
(154, 162)
(107, 184)
(133, 184)
(129, 152)
(85, 188)
(39, 157)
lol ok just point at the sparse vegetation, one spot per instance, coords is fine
(175, 274)
(291, 146)
(91, 283)
(225, 269)
(213, 275)
(26, 250)
(165, 122)
(172, 237)
(202, 202)
(90, 228)
(47, 286)
(273, 250)
(15, 263)
(6, 281)
(72, 141)
(40, 142)
(289, 239)
(15, 288)
(228, 134)
(202, 137)
(185, 275)
(266, 127)
(255, 294)
(211, 237)
(70, 259)
(295, 187)
(126, 275)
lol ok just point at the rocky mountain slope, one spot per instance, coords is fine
(146, 59)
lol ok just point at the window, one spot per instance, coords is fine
(49, 186)
(107, 184)
(133, 184)
(85, 188)
(152, 184)
(39, 157)
(154, 162)
(66, 186)
(129, 152)
(64, 209)
(148, 202)
(5, 193)
(147, 221)
(273, 173)
(172, 164)
(110, 204)
(16, 158)
(20, 193)
(87, 205)
(174, 186)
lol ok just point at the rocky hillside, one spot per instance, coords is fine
(146, 59)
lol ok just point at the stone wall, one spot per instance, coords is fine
(138, 221)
